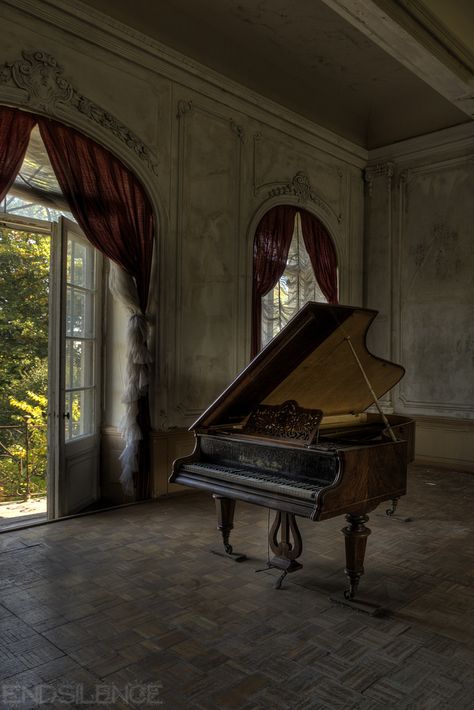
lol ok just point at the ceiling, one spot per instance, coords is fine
(373, 71)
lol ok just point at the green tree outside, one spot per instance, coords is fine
(24, 310)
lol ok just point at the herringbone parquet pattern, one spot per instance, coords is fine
(133, 596)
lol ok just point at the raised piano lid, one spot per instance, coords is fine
(309, 361)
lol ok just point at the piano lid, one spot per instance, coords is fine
(310, 361)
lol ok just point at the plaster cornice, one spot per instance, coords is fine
(450, 140)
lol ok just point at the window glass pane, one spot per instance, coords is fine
(79, 363)
(81, 410)
(80, 340)
(69, 261)
(80, 263)
(79, 313)
(35, 192)
(67, 419)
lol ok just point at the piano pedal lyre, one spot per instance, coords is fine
(225, 508)
(285, 551)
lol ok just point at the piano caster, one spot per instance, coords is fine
(230, 555)
(351, 591)
(391, 511)
(225, 522)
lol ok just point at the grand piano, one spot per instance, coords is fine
(292, 433)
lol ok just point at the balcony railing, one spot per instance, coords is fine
(23, 461)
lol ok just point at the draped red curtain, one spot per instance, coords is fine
(322, 254)
(270, 253)
(15, 129)
(106, 199)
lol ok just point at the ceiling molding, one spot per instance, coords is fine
(439, 33)
(450, 140)
(413, 39)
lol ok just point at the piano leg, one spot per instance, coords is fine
(356, 540)
(225, 508)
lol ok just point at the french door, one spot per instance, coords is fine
(74, 372)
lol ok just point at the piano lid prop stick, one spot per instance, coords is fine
(376, 401)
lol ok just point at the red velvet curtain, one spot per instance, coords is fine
(106, 199)
(15, 129)
(270, 254)
(322, 254)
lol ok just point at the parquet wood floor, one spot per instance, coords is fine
(132, 600)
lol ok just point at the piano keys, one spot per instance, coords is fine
(292, 434)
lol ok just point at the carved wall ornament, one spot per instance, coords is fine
(183, 108)
(404, 177)
(238, 130)
(378, 170)
(40, 75)
(301, 188)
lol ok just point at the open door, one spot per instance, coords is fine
(74, 373)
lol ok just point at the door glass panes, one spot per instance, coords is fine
(296, 286)
(81, 299)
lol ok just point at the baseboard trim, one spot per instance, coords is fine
(444, 442)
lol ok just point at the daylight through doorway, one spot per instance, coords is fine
(24, 324)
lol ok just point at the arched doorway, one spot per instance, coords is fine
(75, 286)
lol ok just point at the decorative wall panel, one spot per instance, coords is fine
(436, 288)
(207, 256)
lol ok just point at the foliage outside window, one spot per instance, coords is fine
(296, 286)
(24, 292)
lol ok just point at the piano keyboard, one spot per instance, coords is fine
(256, 479)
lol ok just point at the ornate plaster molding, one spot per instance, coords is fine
(300, 187)
(47, 90)
(372, 172)
(183, 108)
(238, 130)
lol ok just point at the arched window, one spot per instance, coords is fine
(296, 286)
(294, 261)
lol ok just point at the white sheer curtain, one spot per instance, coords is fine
(123, 288)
